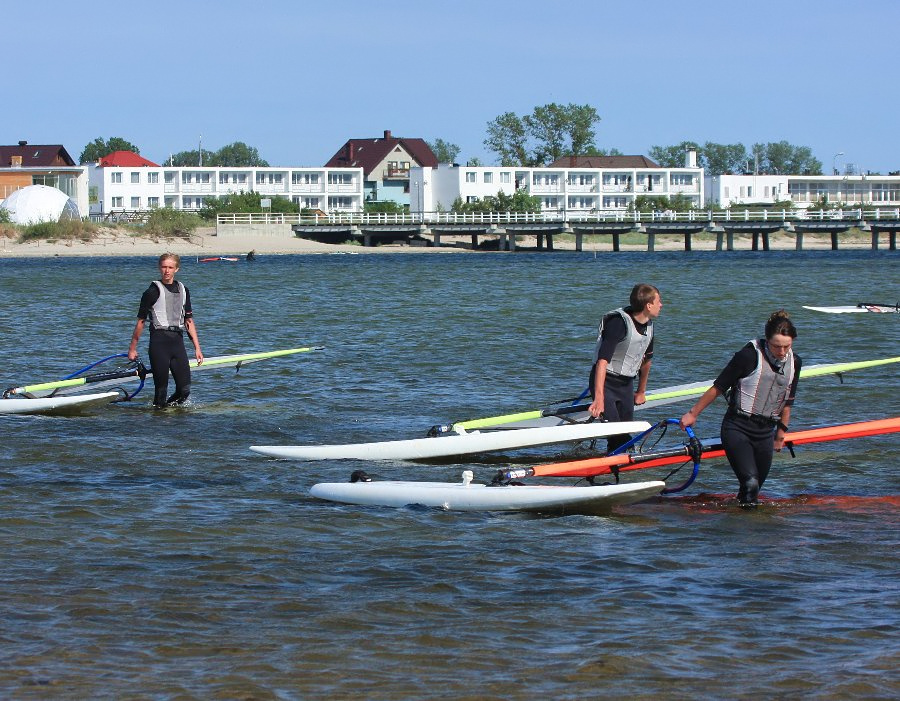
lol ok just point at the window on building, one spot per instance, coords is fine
(470, 176)
(135, 202)
(471, 198)
(118, 202)
(488, 178)
(115, 177)
(153, 202)
(339, 203)
(505, 178)
(170, 177)
(152, 178)
(311, 202)
(135, 177)
(340, 179)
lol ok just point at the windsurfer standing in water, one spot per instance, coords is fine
(760, 383)
(623, 353)
(167, 304)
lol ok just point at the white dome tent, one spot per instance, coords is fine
(40, 203)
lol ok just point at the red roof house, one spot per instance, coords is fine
(126, 159)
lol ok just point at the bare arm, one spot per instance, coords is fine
(135, 337)
(191, 329)
(708, 397)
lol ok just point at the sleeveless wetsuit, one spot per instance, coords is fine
(757, 392)
(166, 307)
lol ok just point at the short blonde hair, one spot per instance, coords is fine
(170, 256)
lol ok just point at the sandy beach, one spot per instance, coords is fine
(205, 242)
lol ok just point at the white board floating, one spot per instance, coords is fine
(468, 496)
(55, 405)
(450, 445)
(858, 309)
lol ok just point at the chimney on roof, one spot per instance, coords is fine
(690, 158)
(23, 143)
(350, 151)
(387, 133)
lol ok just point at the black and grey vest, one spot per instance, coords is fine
(168, 311)
(764, 392)
(629, 354)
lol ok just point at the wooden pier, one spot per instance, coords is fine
(505, 228)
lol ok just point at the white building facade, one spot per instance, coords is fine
(804, 191)
(138, 188)
(562, 190)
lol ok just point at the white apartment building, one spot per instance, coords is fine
(136, 188)
(563, 190)
(804, 190)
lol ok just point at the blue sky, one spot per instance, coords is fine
(296, 79)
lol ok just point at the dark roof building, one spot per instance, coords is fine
(603, 162)
(385, 162)
(25, 155)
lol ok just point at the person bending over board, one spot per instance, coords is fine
(760, 383)
(624, 352)
(167, 304)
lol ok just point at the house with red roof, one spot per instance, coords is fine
(126, 159)
(42, 164)
(386, 162)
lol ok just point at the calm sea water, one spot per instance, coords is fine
(151, 555)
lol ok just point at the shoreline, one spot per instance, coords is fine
(205, 242)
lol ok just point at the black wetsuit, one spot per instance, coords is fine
(167, 352)
(618, 392)
(749, 441)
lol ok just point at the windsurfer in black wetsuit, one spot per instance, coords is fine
(760, 382)
(624, 352)
(167, 304)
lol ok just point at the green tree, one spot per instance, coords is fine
(246, 202)
(187, 159)
(786, 159)
(508, 139)
(672, 156)
(99, 148)
(234, 155)
(520, 201)
(444, 151)
(719, 159)
(549, 132)
(386, 207)
(238, 154)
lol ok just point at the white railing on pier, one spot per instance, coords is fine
(558, 217)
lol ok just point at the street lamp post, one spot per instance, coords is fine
(834, 169)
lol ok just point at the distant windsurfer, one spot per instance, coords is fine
(252, 255)
(624, 353)
(760, 383)
(167, 304)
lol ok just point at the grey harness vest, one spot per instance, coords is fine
(764, 392)
(628, 356)
(168, 311)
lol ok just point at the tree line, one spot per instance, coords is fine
(549, 132)
(235, 155)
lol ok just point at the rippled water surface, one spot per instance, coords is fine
(150, 554)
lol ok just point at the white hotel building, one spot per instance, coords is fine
(569, 190)
(804, 191)
(136, 188)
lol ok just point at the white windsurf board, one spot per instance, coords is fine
(468, 496)
(451, 445)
